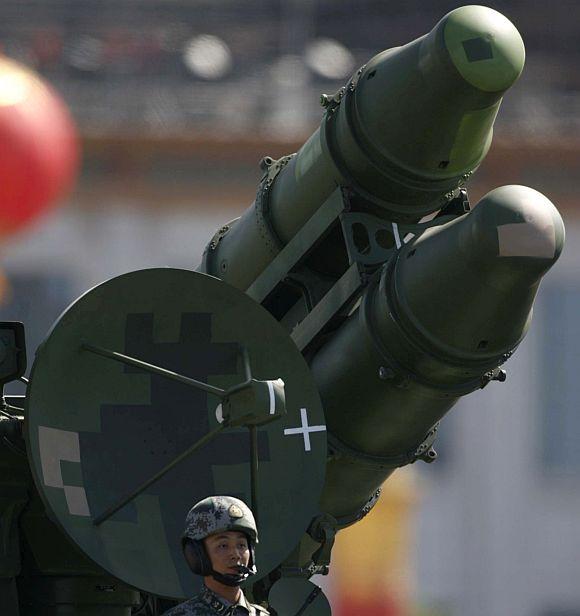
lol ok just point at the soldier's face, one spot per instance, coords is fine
(226, 550)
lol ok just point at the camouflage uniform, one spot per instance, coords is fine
(207, 603)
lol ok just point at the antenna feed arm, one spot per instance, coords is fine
(255, 404)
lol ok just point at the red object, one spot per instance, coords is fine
(39, 150)
(369, 606)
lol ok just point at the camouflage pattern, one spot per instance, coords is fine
(207, 603)
(85, 410)
(219, 513)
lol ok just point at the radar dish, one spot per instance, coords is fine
(298, 596)
(113, 412)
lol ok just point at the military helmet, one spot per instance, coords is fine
(217, 514)
(213, 515)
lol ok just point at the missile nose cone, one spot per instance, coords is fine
(484, 46)
(521, 228)
(419, 118)
(467, 288)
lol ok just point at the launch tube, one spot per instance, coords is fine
(408, 129)
(451, 307)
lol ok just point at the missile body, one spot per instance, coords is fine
(451, 307)
(447, 308)
(410, 127)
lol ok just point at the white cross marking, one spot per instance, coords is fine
(305, 430)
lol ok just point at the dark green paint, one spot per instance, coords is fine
(124, 439)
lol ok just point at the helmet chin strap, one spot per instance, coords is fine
(233, 579)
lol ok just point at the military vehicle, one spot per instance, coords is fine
(314, 351)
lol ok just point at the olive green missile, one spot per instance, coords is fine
(423, 113)
(406, 131)
(443, 304)
(444, 315)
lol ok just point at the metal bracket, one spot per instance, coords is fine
(425, 450)
(323, 530)
(337, 297)
(219, 235)
(304, 572)
(347, 520)
(367, 238)
(381, 240)
(271, 169)
(207, 264)
(497, 374)
(371, 241)
(297, 247)
(457, 206)
(330, 102)
(340, 295)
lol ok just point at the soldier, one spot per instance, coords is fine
(218, 544)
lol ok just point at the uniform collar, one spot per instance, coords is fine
(221, 605)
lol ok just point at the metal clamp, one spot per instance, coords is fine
(323, 530)
(271, 170)
(364, 460)
(207, 264)
(425, 450)
(272, 167)
(330, 102)
(497, 374)
(218, 237)
(347, 520)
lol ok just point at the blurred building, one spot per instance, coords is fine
(223, 67)
(178, 101)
